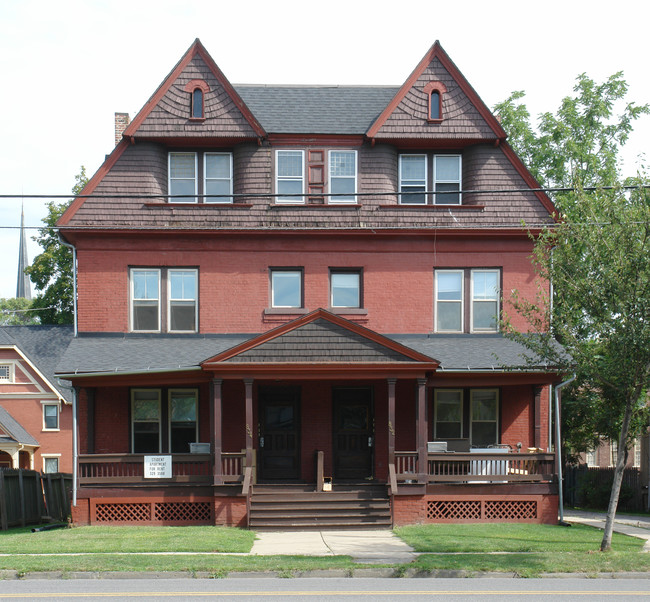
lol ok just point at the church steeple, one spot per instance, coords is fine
(23, 288)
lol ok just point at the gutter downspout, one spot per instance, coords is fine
(74, 278)
(75, 448)
(558, 447)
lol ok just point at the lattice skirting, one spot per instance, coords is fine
(153, 512)
(483, 509)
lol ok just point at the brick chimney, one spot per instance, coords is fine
(122, 121)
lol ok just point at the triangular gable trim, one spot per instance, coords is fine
(195, 49)
(330, 317)
(38, 372)
(436, 51)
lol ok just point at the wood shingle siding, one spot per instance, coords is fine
(460, 118)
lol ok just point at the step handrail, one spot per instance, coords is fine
(320, 470)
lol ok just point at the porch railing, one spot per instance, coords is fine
(453, 467)
(129, 468)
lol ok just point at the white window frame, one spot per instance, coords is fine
(435, 413)
(442, 200)
(337, 200)
(591, 458)
(45, 404)
(227, 200)
(411, 183)
(169, 176)
(132, 299)
(497, 426)
(462, 300)
(293, 199)
(338, 271)
(133, 421)
(298, 271)
(11, 373)
(472, 301)
(169, 299)
(56, 457)
(169, 413)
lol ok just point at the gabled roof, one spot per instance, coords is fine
(14, 430)
(321, 341)
(436, 53)
(42, 346)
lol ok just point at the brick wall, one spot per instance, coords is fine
(230, 511)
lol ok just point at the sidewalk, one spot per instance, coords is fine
(636, 526)
(369, 547)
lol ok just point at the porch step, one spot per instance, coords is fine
(275, 507)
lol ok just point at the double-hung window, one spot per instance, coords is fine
(412, 179)
(467, 300)
(345, 288)
(50, 417)
(183, 172)
(286, 288)
(343, 176)
(217, 177)
(448, 414)
(484, 417)
(51, 464)
(447, 176)
(182, 419)
(485, 300)
(290, 176)
(449, 311)
(145, 421)
(182, 290)
(145, 300)
(164, 296)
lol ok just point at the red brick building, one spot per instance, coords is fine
(35, 408)
(279, 286)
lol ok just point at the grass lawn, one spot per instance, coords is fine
(533, 549)
(527, 550)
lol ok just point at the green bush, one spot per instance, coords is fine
(594, 491)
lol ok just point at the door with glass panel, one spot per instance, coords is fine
(279, 433)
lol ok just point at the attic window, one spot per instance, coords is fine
(5, 373)
(435, 92)
(197, 103)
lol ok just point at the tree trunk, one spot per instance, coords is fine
(606, 544)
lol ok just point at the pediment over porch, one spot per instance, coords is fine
(318, 344)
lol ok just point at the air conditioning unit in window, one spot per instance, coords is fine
(199, 448)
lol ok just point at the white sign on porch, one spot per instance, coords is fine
(157, 467)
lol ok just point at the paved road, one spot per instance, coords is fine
(261, 589)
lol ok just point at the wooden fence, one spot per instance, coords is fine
(590, 487)
(27, 497)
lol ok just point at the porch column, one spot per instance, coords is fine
(248, 383)
(216, 432)
(391, 420)
(90, 420)
(421, 422)
(537, 392)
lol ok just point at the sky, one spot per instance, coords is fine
(69, 65)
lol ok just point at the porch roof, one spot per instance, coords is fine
(11, 431)
(128, 353)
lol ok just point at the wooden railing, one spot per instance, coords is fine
(319, 469)
(129, 468)
(452, 467)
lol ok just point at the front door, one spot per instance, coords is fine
(279, 442)
(353, 433)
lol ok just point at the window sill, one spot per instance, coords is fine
(352, 311)
(51, 430)
(315, 206)
(197, 119)
(429, 207)
(435, 121)
(285, 311)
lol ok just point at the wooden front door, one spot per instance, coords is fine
(279, 442)
(353, 431)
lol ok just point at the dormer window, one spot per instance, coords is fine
(435, 92)
(197, 89)
(197, 103)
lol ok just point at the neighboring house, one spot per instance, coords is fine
(283, 285)
(35, 410)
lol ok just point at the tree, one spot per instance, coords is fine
(597, 259)
(17, 312)
(52, 270)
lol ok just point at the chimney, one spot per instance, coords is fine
(122, 121)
